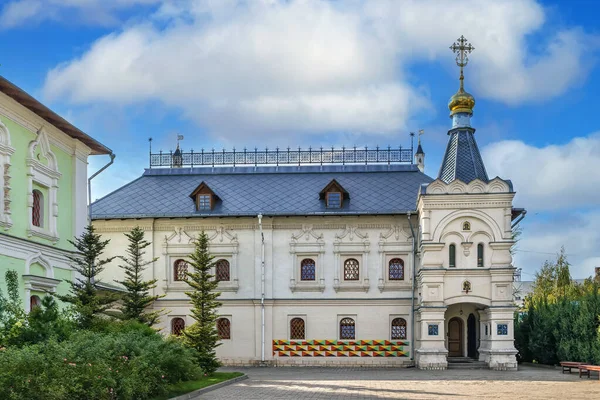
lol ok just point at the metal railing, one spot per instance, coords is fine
(353, 155)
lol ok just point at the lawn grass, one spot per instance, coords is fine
(189, 386)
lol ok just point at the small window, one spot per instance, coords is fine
(398, 329)
(452, 256)
(396, 269)
(480, 255)
(177, 326)
(347, 329)
(297, 331)
(222, 271)
(334, 200)
(37, 214)
(467, 226)
(180, 268)
(204, 202)
(351, 270)
(34, 301)
(307, 270)
(486, 329)
(224, 328)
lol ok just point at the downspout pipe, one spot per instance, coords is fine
(412, 301)
(519, 219)
(112, 159)
(262, 289)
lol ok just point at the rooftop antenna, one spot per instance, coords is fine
(150, 145)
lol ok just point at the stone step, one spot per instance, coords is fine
(467, 365)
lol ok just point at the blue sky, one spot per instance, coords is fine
(289, 73)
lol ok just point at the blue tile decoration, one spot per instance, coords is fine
(433, 329)
(502, 329)
(247, 191)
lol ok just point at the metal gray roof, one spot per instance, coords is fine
(462, 159)
(248, 191)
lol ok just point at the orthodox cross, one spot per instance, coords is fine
(462, 49)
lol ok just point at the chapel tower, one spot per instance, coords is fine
(464, 307)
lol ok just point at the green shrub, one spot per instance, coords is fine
(95, 365)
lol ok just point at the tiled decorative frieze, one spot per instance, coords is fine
(336, 348)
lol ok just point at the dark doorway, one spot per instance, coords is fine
(471, 336)
(455, 337)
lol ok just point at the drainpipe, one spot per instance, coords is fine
(412, 301)
(112, 159)
(262, 290)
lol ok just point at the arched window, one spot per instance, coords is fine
(398, 329)
(351, 270)
(480, 255)
(307, 270)
(180, 268)
(222, 271)
(467, 226)
(224, 328)
(347, 329)
(452, 256)
(34, 301)
(177, 326)
(297, 331)
(396, 269)
(37, 215)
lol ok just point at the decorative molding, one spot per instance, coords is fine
(476, 186)
(345, 247)
(351, 232)
(307, 244)
(6, 152)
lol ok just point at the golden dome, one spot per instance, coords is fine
(461, 102)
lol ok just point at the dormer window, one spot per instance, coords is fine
(204, 197)
(334, 195)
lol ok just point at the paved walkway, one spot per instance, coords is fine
(299, 383)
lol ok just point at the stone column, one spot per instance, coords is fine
(431, 352)
(498, 350)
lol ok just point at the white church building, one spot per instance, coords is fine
(334, 256)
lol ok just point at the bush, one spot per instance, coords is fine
(134, 364)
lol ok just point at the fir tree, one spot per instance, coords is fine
(138, 297)
(203, 335)
(84, 295)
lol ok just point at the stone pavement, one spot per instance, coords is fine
(300, 383)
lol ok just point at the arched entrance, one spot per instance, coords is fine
(455, 337)
(472, 336)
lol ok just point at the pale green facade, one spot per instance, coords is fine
(43, 170)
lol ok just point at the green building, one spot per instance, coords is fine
(43, 192)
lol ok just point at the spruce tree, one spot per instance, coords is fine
(138, 297)
(203, 335)
(84, 295)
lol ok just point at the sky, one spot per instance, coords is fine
(242, 73)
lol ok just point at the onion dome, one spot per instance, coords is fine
(461, 102)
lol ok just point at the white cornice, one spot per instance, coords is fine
(23, 249)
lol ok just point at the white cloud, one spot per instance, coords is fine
(240, 67)
(97, 12)
(550, 177)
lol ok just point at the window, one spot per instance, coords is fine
(486, 330)
(467, 226)
(502, 329)
(347, 329)
(222, 271)
(297, 331)
(307, 270)
(396, 269)
(351, 270)
(34, 301)
(480, 255)
(180, 269)
(334, 200)
(204, 202)
(398, 329)
(452, 256)
(37, 215)
(224, 328)
(177, 326)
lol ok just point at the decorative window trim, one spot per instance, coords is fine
(339, 326)
(289, 325)
(394, 243)
(46, 176)
(39, 283)
(6, 151)
(346, 247)
(229, 319)
(406, 332)
(307, 244)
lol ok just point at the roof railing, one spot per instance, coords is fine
(310, 156)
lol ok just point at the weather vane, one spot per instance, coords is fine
(462, 49)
